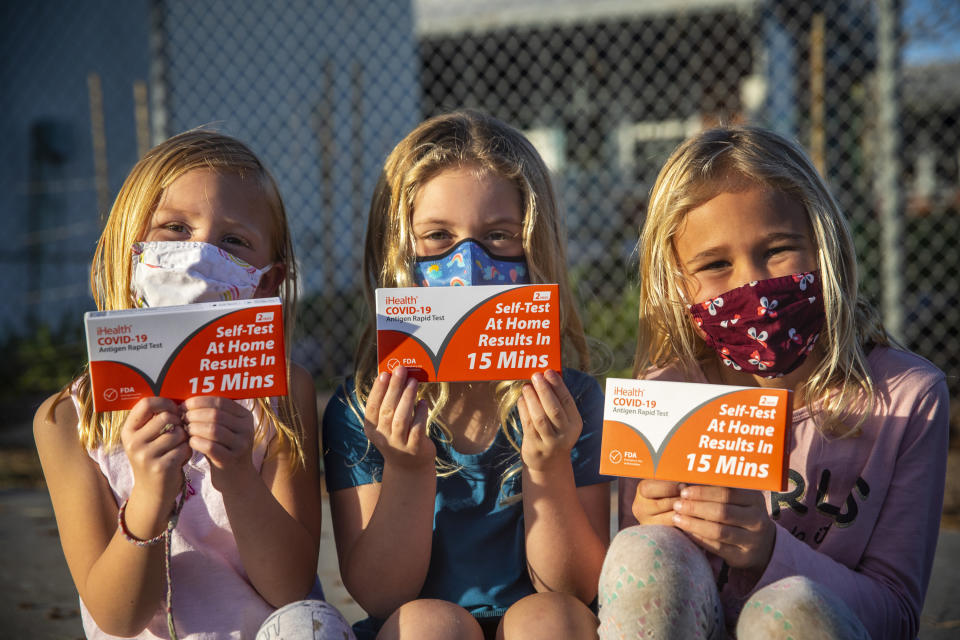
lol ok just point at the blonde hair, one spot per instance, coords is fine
(729, 158)
(128, 223)
(462, 139)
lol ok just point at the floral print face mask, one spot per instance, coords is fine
(469, 263)
(766, 327)
(173, 273)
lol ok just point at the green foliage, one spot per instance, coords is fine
(609, 309)
(42, 360)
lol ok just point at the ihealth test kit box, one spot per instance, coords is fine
(232, 349)
(460, 334)
(696, 433)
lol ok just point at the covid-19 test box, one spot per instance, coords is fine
(451, 334)
(233, 349)
(696, 433)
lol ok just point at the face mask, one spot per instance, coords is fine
(766, 327)
(469, 263)
(172, 273)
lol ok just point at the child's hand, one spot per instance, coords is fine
(654, 500)
(223, 431)
(550, 419)
(156, 445)
(732, 523)
(396, 427)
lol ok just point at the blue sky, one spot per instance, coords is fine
(932, 31)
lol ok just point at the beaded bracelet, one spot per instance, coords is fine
(122, 523)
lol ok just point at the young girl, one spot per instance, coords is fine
(193, 519)
(475, 511)
(748, 277)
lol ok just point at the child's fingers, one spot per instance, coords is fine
(371, 413)
(719, 512)
(400, 425)
(226, 405)
(552, 407)
(418, 426)
(214, 451)
(562, 392)
(741, 509)
(161, 425)
(708, 542)
(538, 419)
(741, 548)
(240, 424)
(179, 454)
(170, 435)
(388, 406)
(152, 411)
(213, 431)
(654, 500)
(529, 429)
(736, 499)
(655, 489)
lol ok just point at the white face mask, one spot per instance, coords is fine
(173, 273)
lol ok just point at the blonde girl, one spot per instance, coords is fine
(468, 510)
(197, 518)
(749, 277)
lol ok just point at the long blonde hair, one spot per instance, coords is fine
(700, 169)
(128, 222)
(462, 139)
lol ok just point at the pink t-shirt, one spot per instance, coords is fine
(212, 596)
(860, 515)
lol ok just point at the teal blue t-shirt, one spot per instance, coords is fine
(477, 559)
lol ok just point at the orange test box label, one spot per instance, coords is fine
(696, 433)
(457, 334)
(230, 349)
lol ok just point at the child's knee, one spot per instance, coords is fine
(654, 558)
(428, 619)
(797, 606)
(305, 620)
(549, 615)
(655, 579)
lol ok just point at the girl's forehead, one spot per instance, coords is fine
(737, 215)
(461, 189)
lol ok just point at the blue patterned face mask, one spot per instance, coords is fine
(469, 263)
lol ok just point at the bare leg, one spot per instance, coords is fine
(430, 620)
(548, 616)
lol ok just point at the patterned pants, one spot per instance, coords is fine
(305, 620)
(656, 583)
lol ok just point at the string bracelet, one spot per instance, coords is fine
(122, 523)
(186, 491)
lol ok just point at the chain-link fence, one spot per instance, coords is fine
(323, 90)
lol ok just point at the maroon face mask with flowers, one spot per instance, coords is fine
(765, 327)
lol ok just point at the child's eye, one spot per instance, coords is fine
(715, 265)
(500, 236)
(780, 249)
(236, 240)
(176, 227)
(436, 235)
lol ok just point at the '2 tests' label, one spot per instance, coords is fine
(469, 333)
(230, 349)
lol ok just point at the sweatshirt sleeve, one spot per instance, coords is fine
(887, 587)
